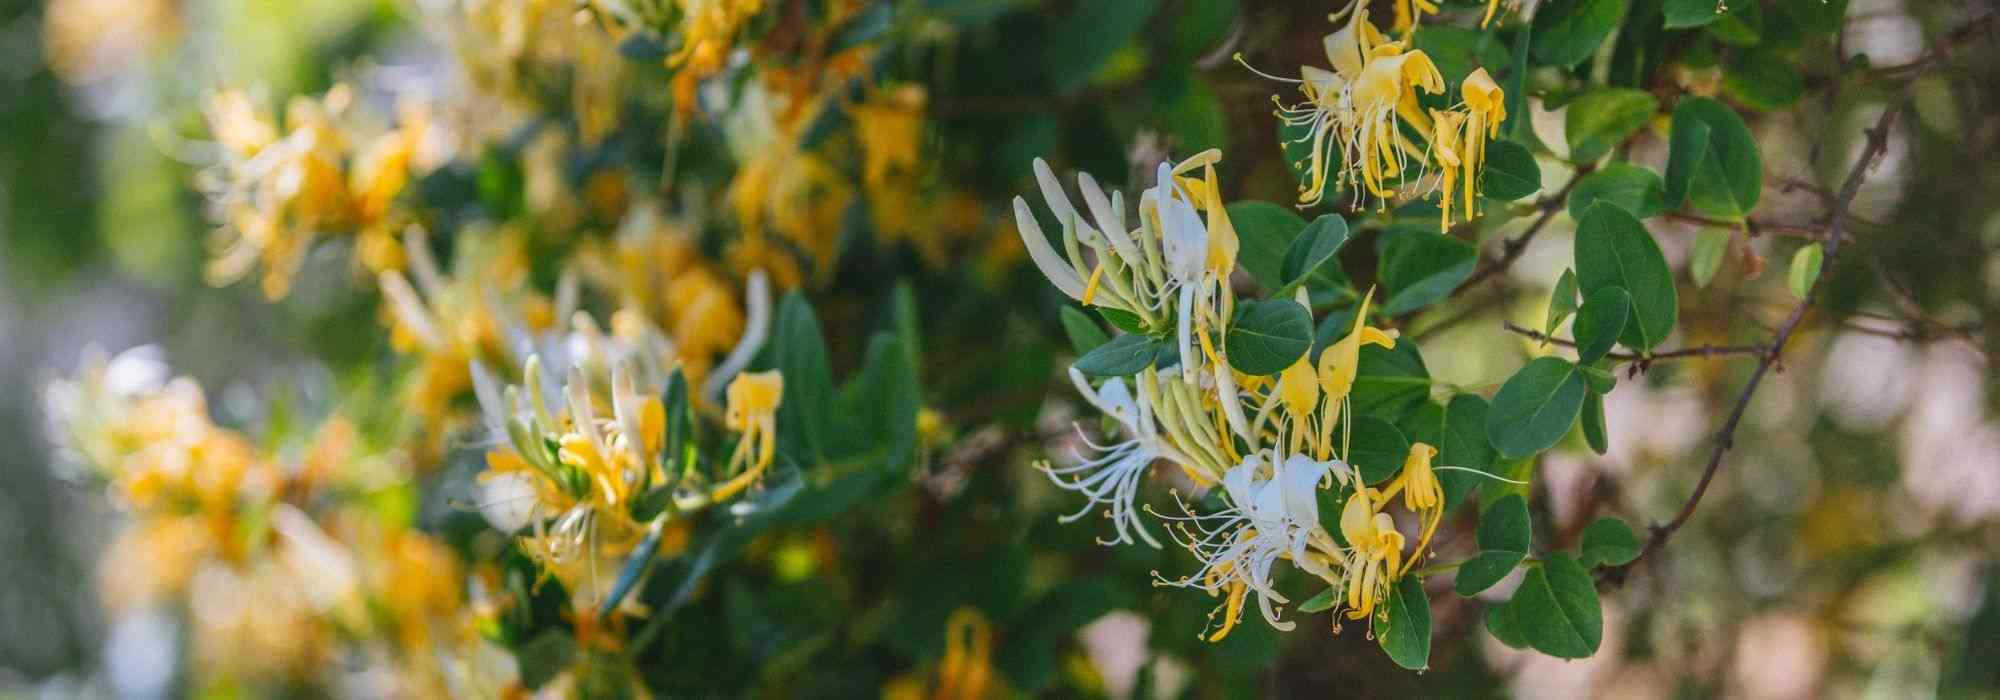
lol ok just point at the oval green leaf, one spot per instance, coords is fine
(1712, 160)
(1405, 630)
(1315, 248)
(1597, 122)
(1569, 31)
(1123, 356)
(1599, 322)
(1268, 335)
(1614, 250)
(1805, 269)
(1535, 408)
(1629, 187)
(1264, 232)
(1558, 610)
(1511, 172)
(1608, 542)
(1420, 269)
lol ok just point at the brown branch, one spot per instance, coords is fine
(1646, 358)
(1755, 227)
(1878, 143)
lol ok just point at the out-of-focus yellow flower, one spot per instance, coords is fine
(753, 412)
(708, 30)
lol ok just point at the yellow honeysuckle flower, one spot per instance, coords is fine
(753, 411)
(1376, 554)
(1340, 362)
(1447, 140)
(966, 673)
(1409, 13)
(1386, 90)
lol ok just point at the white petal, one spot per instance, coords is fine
(1052, 265)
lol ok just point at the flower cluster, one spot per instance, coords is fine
(271, 552)
(1360, 117)
(1271, 444)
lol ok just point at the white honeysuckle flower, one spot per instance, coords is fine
(1053, 266)
(1111, 476)
(1272, 514)
(1184, 238)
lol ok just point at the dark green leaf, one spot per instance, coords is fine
(1462, 443)
(1535, 408)
(1264, 232)
(1593, 423)
(1084, 335)
(1517, 83)
(1420, 269)
(1314, 248)
(1405, 631)
(1562, 301)
(1504, 534)
(1558, 610)
(1608, 542)
(1742, 25)
(1712, 160)
(1597, 122)
(1503, 621)
(1569, 31)
(1682, 14)
(1598, 379)
(1629, 187)
(542, 658)
(1764, 80)
(1268, 335)
(800, 355)
(1322, 602)
(1600, 321)
(1084, 40)
(1614, 250)
(1483, 570)
(1391, 381)
(1123, 320)
(1123, 356)
(1510, 172)
(1376, 449)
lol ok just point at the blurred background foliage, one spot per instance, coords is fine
(1849, 550)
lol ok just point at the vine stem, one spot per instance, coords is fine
(1836, 227)
(1697, 351)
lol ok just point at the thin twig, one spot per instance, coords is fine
(1755, 227)
(1878, 143)
(1697, 351)
(1512, 248)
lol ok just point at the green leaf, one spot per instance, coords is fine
(1763, 80)
(1420, 269)
(1322, 602)
(1709, 248)
(1535, 408)
(1503, 621)
(1593, 423)
(1511, 172)
(1558, 610)
(1504, 534)
(1614, 250)
(1632, 188)
(678, 451)
(1569, 31)
(1598, 379)
(1123, 356)
(1517, 82)
(1600, 321)
(1264, 232)
(1268, 335)
(1458, 50)
(1562, 301)
(1376, 449)
(1505, 527)
(1682, 14)
(1084, 40)
(1599, 121)
(1084, 334)
(1405, 630)
(1391, 381)
(879, 406)
(542, 658)
(1805, 269)
(1123, 320)
(1458, 429)
(1742, 25)
(800, 354)
(1314, 248)
(1712, 160)
(1608, 542)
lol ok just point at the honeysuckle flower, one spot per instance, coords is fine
(1385, 91)
(1340, 363)
(1375, 552)
(1409, 13)
(1422, 493)
(1110, 477)
(1272, 515)
(753, 412)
